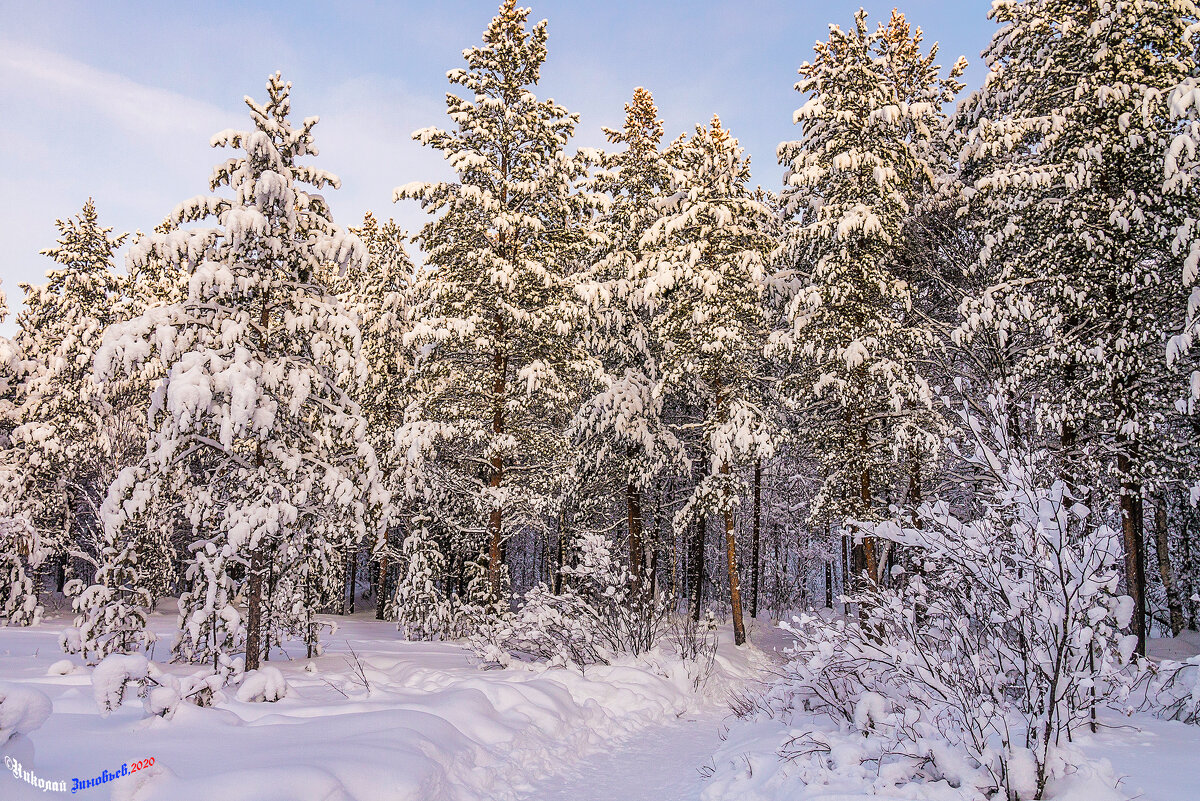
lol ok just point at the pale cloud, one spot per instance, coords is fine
(72, 130)
(137, 108)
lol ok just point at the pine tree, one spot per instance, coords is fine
(499, 362)
(251, 425)
(68, 437)
(702, 279)
(872, 148)
(621, 429)
(111, 613)
(380, 295)
(422, 610)
(1068, 145)
(20, 546)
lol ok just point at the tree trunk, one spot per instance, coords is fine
(562, 555)
(735, 593)
(254, 616)
(754, 545)
(863, 557)
(381, 588)
(1132, 536)
(698, 567)
(847, 551)
(254, 613)
(267, 609)
(351, 569)
(1185, 542)
(653, 585)
(829, 585)
(1162, 548)
(637, 552)
(496, 521)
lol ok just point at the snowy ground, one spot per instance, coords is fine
(1153, 759)
(433, 726)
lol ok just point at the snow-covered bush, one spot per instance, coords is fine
(266, 685)
(695, 643)
(113, 676)
(22, 709)
(111, 613)
(1173, 690)
(999, 642)
(597, 616)
(63, 667)
(161, 692)
(19, 553)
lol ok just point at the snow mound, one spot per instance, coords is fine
(292, 783)
(63, 667)
(111, 677)
(267, 684)
(22, 709)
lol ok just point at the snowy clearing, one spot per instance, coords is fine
(431, 725)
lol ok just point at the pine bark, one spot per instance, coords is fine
(735, 593)
(863, 558)
(698, 567)
(1133, 540)
(254, 613)
(1162, 549)
(381, 588)
(254, 617)
(754, 545)
(637, 548)
(348, 589)
(496, 520)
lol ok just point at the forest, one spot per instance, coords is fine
(930, 400)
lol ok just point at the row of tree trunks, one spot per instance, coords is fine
(735, 592)
(496, 519)
(697, 571)
(754, 546)
(637, 547)
(1162, 549)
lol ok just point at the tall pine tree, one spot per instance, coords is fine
(873, 147)
(702, 279)
(499, 365)
(252, 425)
(1067, 147)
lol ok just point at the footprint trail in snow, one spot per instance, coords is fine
(661, 763)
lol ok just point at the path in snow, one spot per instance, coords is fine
(661, 763)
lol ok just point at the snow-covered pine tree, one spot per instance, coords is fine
(422, 610)
(701, 279)
(112, 611)
(499, 363)
(1069, 142)
(380, 295)
(620, 431)
(66, 440)
(251, 424)
(873, 146)
(20, 545)
(1182, 173)
(20, 553)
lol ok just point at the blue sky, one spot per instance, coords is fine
(118, 100)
